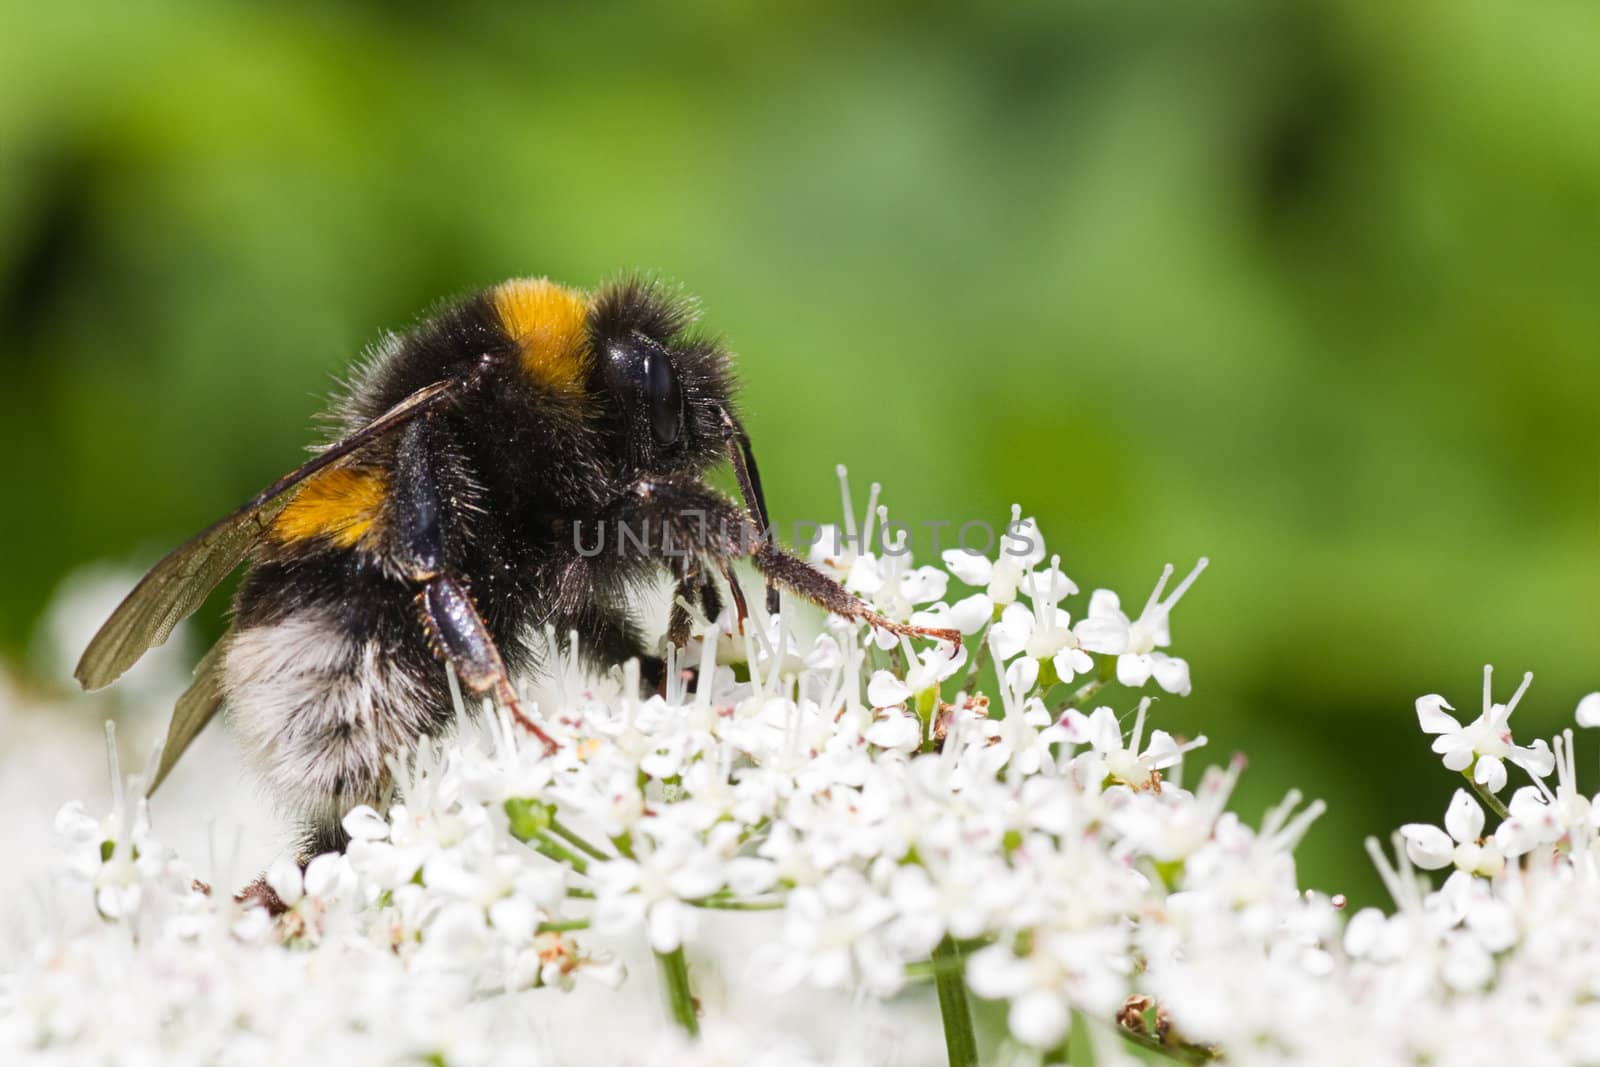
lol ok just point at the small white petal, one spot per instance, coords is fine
(970, 567)
(73, 823)
(326, 874)
(1103, 634)
(1104, 604)
(1428, 846)
(864, 578)
(900, 731)
(887, 691)
(924, 584)
(1588, 713)
(1493, 922)
(748, 875)
(668, 921)
(1163, 751)
(1022, 676)
(1464, 818)
(1134, 670)
(1362, 933)
(1010, 635)
(365, 824)
(1490, 773)
(515, 917)
(1536, 759)
(1071, 662)
(972, 614)
(825, 654)
(1172, 674)
(1431, 715)
(284, 878)
(1467, 966)
(1105, 732)
(1039, 1018)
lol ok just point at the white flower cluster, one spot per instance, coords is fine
(1036, 850)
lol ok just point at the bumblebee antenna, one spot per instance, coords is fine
(743, 458)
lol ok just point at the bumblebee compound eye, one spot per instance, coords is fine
(664, 397)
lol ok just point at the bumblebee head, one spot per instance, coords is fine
(664, 390)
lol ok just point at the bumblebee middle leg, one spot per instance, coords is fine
(458, 636)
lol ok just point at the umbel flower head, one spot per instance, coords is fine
(837, 818)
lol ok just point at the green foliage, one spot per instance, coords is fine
(1307, 288)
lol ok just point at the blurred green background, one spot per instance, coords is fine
(1313, 289)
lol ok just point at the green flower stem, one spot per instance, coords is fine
(949, 978)
(680, 999)
(563, 926)
(1190, 1054)
(1083, 695)
(576, 840)
(1489, 799)
(928, 970)
(546, 845)
(731, 904)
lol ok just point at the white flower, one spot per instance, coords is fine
(1460, 843)
(775, 820)
(1125, 763)
(1045, 632)
(652, 889)
(1021, 549)
(1544, 816)
(1135, 642)
(1588, 713)
(1484, 744)
(1026, 730)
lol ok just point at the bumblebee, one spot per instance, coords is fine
(441, 529)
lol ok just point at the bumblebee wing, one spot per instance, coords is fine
(177, 585)
(193, 710)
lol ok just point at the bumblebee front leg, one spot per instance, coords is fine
(726, 533)
(458, 636)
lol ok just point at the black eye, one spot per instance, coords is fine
(665, 398)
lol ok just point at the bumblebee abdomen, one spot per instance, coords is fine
(327, 674)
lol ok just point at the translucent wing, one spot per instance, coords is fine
(193, 710)
(177, 585)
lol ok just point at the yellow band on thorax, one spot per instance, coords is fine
(549, 322)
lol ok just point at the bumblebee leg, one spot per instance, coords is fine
(679, 619)
(737, 536)
(741, 609)
(695, 590)
(743, 459)
(798, 575)
(459, 637)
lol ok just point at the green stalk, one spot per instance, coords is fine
(546, 845)
(1493, 802)
(577, 841)
(734, 904)
(680, 998)
(949, 979)
(1187, 1054)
